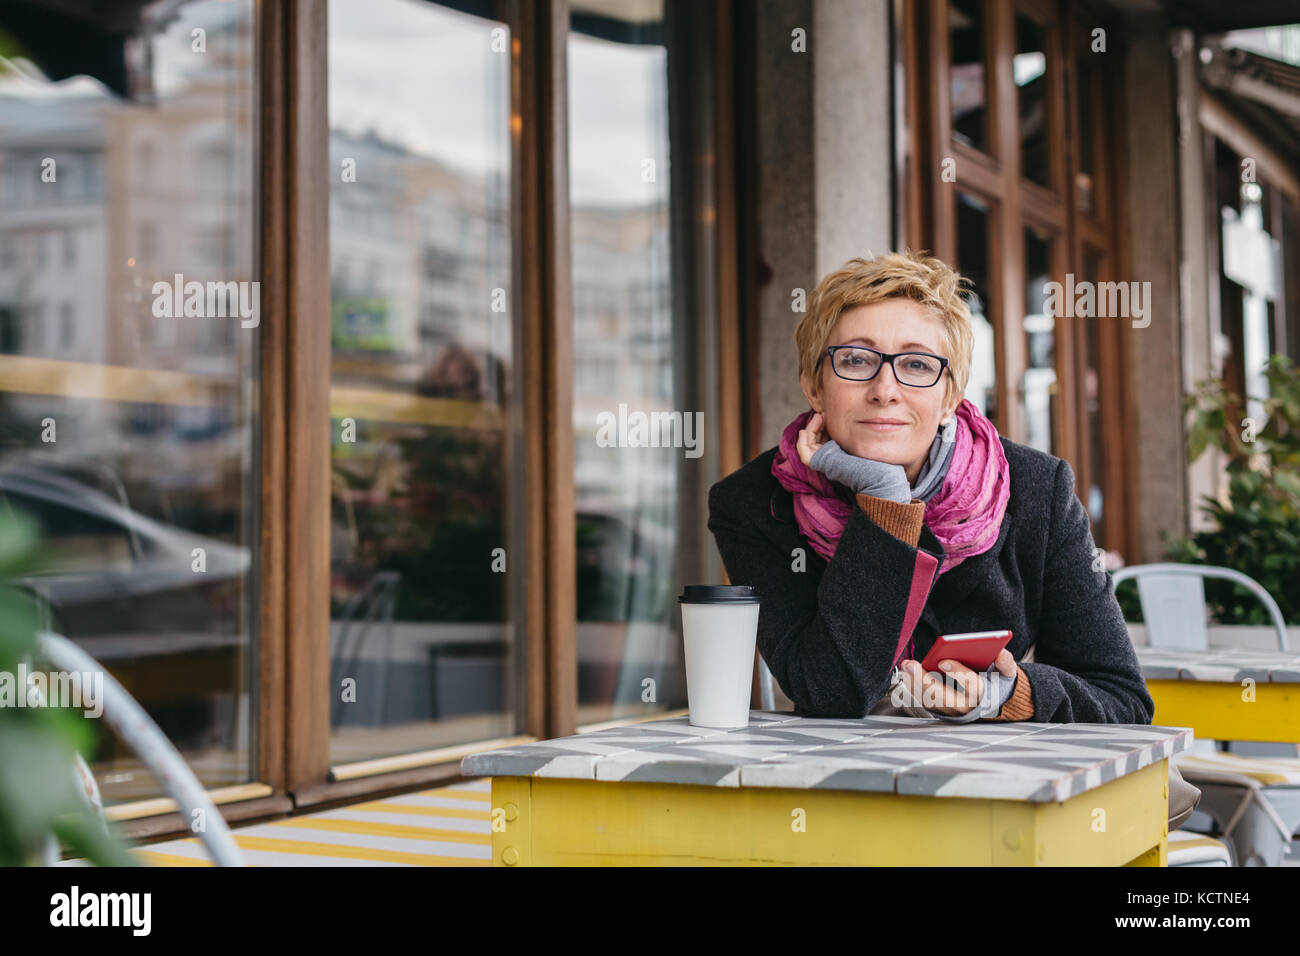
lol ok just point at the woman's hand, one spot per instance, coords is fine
(861, 475)
(879, 479)
(938, 697)
(811, 437)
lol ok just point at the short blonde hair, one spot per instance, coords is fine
(927, 281)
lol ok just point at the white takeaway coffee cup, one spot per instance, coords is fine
(720, 628)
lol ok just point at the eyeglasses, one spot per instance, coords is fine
(861, 364)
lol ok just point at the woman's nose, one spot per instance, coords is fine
(885, 385)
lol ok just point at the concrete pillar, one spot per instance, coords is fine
(1149, 169)
(853, 120)
(824, 134)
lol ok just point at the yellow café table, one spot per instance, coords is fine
(878, 790)
(1225, 693)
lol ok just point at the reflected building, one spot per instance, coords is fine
(128, 436)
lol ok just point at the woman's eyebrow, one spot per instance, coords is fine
(907, 345)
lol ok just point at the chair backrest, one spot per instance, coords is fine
(1173, 602)
(150, 744)
(378, 598)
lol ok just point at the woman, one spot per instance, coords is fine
(893, 512)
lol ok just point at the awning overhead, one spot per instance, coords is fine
(1220, 16)
(1263, 91)
(75, 37)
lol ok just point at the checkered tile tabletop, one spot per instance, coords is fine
(1225, 664)
(909, 755)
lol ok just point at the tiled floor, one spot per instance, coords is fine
(446, 826)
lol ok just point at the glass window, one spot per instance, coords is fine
(1085, 177)
(1040, 391)
(426, 643)
(974, 239)
(643, 440)
(1029, 69)
(1092, 376)
(967, 74)
(129, 430)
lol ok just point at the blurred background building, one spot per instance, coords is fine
(333, 553)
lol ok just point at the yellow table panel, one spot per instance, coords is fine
(1217, 711)
(549, 821)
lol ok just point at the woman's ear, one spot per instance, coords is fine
(805, 383)
(949, 410)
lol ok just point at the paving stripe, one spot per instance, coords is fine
(442, 826)
(154, 858)
(430, 797)
(195, 855)
(385, 829)
(309, 849)
(482, 783)
(362, 842)
(383, 806)
(482, 823)
(480, 802)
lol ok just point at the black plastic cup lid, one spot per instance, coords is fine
(718, 594)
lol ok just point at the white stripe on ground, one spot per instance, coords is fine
(459, 824)
(482, 784)
(423, 800)
(369, 841)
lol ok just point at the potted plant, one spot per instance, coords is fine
(40, 793)
(1257, 529)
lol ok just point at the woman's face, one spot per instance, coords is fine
(859, 414)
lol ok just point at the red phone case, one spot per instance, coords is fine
(976, 649)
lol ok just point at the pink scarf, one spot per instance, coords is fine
(965, 514)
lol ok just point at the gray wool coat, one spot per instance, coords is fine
(829, 631)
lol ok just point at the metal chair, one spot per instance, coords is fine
(1252, 794)
(1173, 602)
(1255, 801)
(142, 736)
(379, 598)
(1189, 848)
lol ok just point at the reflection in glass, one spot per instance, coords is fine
(1085, 176)
(425, 510)
(638, 348)
(1040, 340)
(128, 429)
(1029, 69)
(974, 240)
(968, 79)
(1092, 408)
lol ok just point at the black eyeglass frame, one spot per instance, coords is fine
(886, 357)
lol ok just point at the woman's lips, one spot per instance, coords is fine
(876, 426)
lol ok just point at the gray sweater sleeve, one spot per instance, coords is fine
(997, 688)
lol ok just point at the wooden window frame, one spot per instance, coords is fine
(541, 277)
(291, 766)
(929, 214)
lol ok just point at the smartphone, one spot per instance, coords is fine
(976, 649)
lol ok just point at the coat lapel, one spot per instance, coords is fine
(782, 505)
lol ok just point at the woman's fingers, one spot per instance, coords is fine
(972, 687)
(935, 695)
(1005, 663)
(810, 438)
